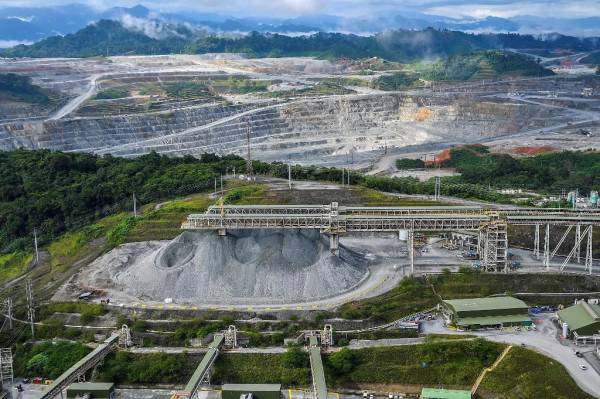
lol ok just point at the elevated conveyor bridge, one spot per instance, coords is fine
(316, 368)
(81, 367)
(202, 373)
(491, 223)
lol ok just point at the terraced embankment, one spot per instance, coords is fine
(304, 130)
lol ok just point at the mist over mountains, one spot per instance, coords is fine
(31, 24)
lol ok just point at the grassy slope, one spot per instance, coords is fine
(525, 374)
(413, 295)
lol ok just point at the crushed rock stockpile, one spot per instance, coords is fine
(278, 266)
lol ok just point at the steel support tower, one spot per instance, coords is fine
(494, 246)
(6, 365)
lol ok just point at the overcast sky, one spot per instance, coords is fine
(354, 8)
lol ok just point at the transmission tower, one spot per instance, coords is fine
(249, 168)
(8, 311)
(231, 337)
(134, 206)
(125, 340)
(30, 305)
(35, 244)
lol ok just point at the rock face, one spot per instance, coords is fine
(303, 131)
(244, 266)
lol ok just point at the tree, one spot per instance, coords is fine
(37, 364)
(295, 357)
(342, 362)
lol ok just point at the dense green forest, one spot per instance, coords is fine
(56, 192)
(490, 64)
(111, 38)
(551, 172)
(20, 88)
(483, 65)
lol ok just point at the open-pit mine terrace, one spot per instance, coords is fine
(313, 129)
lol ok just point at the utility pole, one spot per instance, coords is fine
(215, 186)
(234, 172)
(289, 176)
(8, 304)
(30, 305)
(348, 175)
(249, 168)
(343, 177)
(134, 206)
(35, 244)
(221, 184)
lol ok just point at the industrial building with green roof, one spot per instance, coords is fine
(438, 393)
(477, 313)
(583, 318)
(258, 391)
(94, 390)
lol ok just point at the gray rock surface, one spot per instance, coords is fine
(253, 266)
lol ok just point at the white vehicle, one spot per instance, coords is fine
(583, 366)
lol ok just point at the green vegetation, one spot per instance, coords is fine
(397, 81)
(13, 264)
(491, 64)
(112, 93)
(57, 192)
(407, 163)
(187, 90)
(483, 65)
(410, 296)
(19, 88)
(154, 368)
(342, 81)
(437, 363)
(111, 38)
(416, 294)
(524, 374)
(103, 38)
(87, 310)
(48, 359)
(234, 85)
(547, 172)
(320, 89)
(263, 368)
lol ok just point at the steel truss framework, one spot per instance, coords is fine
(333, 219)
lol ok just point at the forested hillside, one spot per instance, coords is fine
(111, 38)
(56, 192)
(552, 172)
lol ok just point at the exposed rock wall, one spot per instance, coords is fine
(303, 130)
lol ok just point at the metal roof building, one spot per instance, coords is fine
(583, 318)
(96, 390)
(475, 313)
(258, 391)
(438, 393)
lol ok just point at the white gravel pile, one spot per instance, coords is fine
(244, 266)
